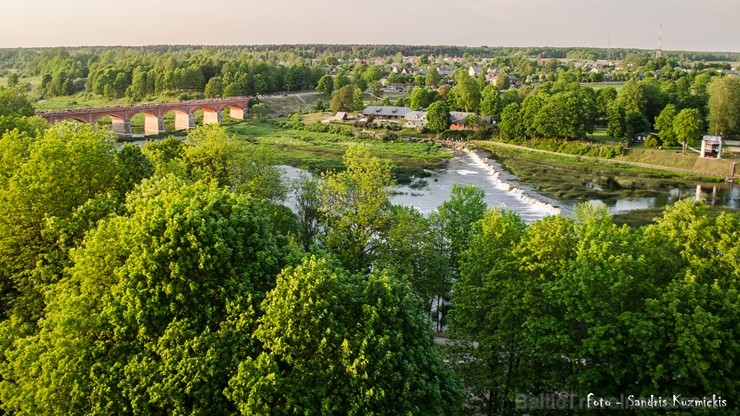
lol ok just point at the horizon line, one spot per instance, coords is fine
(360, 44)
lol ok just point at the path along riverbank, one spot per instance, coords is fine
(712, 168)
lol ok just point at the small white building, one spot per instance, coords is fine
(711, 146)
(416, 119)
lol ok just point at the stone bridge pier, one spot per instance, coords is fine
(120, 126)
(184, 121)
(153, 125)
(212, 116)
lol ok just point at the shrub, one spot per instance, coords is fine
(651, 142)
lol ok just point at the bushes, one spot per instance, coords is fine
(651, 142)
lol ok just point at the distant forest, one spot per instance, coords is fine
(12, 58)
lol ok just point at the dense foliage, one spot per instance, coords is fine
(148, 281)
(170, 279)
(577, 306)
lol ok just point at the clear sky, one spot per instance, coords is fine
(702, 25)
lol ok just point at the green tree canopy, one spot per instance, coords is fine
(411, 248)
(356, 207)
(343, 99)
(632, 98)
(511, 126)
(724, 106)
(616, 121)
(55, 189)
(664, 125)
(438, 117)
(466, 92)
(421, 98)
(335, 343)
(687, 126)
(635, 123)
(325, 85)
(158, 310)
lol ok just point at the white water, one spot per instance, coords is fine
(537, 202)
(468, 168)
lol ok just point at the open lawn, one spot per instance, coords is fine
(601, 85)
(292, 103)
(317, 151)
(599, 134)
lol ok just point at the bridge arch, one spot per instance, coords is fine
(184, 111)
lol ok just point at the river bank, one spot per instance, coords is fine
(634, 195)
(685, 166)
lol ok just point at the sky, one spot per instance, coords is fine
(706, 25)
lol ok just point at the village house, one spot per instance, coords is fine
(386, 112)
(474, 71)
(416, 119)
(459, 121)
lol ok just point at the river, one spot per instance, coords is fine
(502, 189)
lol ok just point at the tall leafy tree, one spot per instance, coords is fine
(724, 106)
(411, 248)
(432, 77)
(605, 97)
(485, 312)
(529, 109)
(438, 117)
(158, 310)
(616, 121)
(307, 193)
(635, 123)
(214, 87)
(15, 103)
(698, 284)
(664, 125)
(59, 188)
(511, 126)
(491, 102)
(335, 343)
(421, 98)
(632, 97)
(356, 207)
(455, 219)
(343, 99)
(466, 92)
(325, 85)
(687, 126)
(210, 154)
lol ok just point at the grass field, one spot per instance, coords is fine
(321, 151)
(599, 134)
(601, 85)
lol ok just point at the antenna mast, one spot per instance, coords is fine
(659, 52)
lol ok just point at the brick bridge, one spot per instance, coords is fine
(153, 114)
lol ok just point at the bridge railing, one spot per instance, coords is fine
(86, 110)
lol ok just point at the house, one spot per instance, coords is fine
(711, 146)
(640, 137)
(458, 121)
(416, 119)
(386, 112)
(446, 71)
(474, 71)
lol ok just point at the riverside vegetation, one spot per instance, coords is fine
(171, 279)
